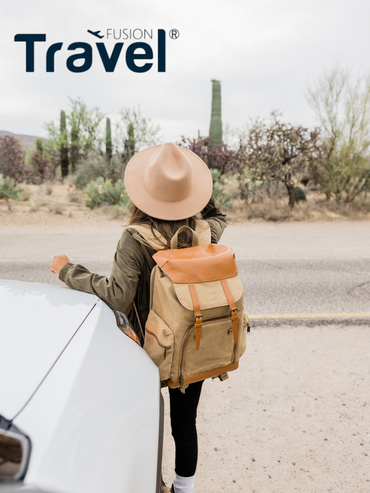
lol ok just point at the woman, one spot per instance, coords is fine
(168, 186)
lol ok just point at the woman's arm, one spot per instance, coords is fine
(217, 221)
(119, 289)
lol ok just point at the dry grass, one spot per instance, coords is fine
(117, 212)
(48, 188)
(315, 209)
(27, 192)
(75, 197)
(36, 203)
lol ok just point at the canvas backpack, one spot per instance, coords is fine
(196, 328)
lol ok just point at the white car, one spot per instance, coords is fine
(80, 403)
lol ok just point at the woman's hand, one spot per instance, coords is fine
(59, 261)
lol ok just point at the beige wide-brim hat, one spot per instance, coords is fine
(168, 182)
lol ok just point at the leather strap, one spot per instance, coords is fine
(174, 243)
(198, 316)
(173, 384)
(233, 309)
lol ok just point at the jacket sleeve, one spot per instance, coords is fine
(217, 221)
(118, 290)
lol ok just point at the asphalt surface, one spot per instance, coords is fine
(272, 285)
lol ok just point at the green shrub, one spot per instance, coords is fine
(9, 189)
(299, 195)
(96, 165)
(105, 192)
(222, 197)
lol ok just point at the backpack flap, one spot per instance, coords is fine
(213, 301)
(202, 263)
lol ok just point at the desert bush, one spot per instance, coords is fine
(12, 158)
(105, 192)
(96, 165)
(38, 170)
(9, 189)
(56, 208)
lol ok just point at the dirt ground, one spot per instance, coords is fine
(61, 205)
(295, 417)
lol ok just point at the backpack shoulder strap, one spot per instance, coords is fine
(203, 231)
(158, 242)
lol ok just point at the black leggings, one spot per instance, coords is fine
(184, 430)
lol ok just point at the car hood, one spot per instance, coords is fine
(37, 321)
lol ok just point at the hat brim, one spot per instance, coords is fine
(170, 211)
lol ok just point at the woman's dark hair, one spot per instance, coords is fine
(166, 228)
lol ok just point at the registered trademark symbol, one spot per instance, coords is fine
(174, 33)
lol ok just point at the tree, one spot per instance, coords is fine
(343, 108)
(215, 127)
(134, 133)
(82, 134)
(280, 152)
(222, 158)
(12, 158)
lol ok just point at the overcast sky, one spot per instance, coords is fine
(264, 52)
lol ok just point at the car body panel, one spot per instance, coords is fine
(36, 323)
(94, 423)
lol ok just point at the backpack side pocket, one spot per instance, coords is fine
(159, 344)
(242, 337)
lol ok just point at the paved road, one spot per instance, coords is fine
(272, 285)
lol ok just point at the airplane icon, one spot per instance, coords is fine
(95, 33)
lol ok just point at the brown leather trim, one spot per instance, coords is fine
(202, 263)
(233, 309)
(173, 384)
(198, 316)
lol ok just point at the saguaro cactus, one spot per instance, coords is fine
(63, 145)
(108, 140)
(39, 145)
(215, 128)
(74, 146)
(130, 143)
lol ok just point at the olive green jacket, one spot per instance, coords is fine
(130, 276)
